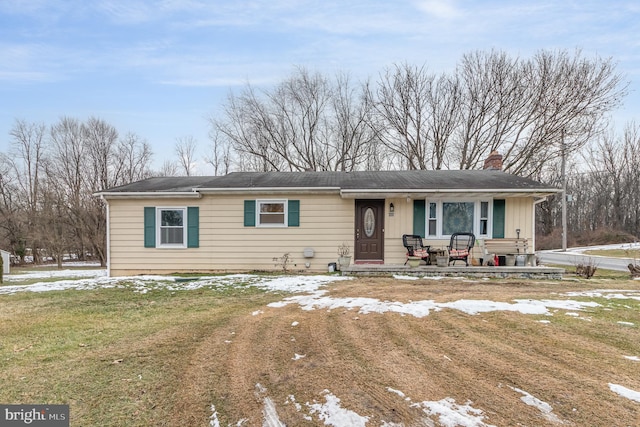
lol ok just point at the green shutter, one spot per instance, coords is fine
(149, 227)
(294, 213)
(249, 213)
(419, 212)
(498, 218)
(193, 227)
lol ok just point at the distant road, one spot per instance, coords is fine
(574, 256)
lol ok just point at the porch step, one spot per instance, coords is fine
(454, 271)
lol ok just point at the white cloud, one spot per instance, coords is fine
(440, 9)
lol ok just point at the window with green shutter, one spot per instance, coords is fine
(171, 227)
(249, 213)
(150, 227)
(294, 213)
(193, 227)
(498, 218)
(272, 213)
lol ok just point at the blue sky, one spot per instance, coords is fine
(161, 68)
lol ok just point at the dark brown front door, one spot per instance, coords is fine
(369, 230)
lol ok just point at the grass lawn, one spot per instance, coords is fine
(235, 353)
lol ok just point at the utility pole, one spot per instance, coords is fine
(564, 193)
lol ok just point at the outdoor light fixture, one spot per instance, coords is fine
(392, 209)
(518, 232)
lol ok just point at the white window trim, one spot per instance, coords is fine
(159, 243)
(476, 216)
(285, 202)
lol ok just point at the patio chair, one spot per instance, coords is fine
(414, 246)
(460, 247)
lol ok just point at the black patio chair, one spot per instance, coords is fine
(460, 247)
(414, 246)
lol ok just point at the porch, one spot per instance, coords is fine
(520, 272)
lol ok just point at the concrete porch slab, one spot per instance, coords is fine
(454, 271)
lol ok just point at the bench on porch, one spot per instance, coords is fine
(507, 247)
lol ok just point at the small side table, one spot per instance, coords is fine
(434, 253)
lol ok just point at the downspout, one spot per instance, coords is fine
(108, 239)
(533, 216)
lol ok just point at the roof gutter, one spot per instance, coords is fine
(269, 190)
(149, 195)
(414, 193)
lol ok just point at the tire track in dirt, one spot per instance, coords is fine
(365, 358)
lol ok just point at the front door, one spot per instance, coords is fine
(369, 244)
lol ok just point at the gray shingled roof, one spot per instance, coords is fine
(370, 180)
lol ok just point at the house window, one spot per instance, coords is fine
(272, 213)
(432, 220)
(484, 219)
(457, 217)
(444, 218)
(171, 229)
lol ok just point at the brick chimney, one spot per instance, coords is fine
(494, 161)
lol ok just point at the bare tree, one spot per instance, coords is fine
(494, 106)
(132, 158)
(67, 178)
(220, 153)
(168, 168)
(533, 111)
(402, 103)
(100, 138)
(615, 179)
(27, 158)
(186, 151)
(13, 222)
(353, 128)
(306, 123)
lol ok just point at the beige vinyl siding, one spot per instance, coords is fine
(519, 214)
(225, 243)
(395, 226)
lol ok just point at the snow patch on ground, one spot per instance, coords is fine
(335, 415)
(607, 294)
(214, 417)
(319, 301)
(403, 277)
(448, 412)
(451, 414)
(97, 279)
(49, 274)
(625, 323)
(269, 411)
(544, 407)
(625, 392)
